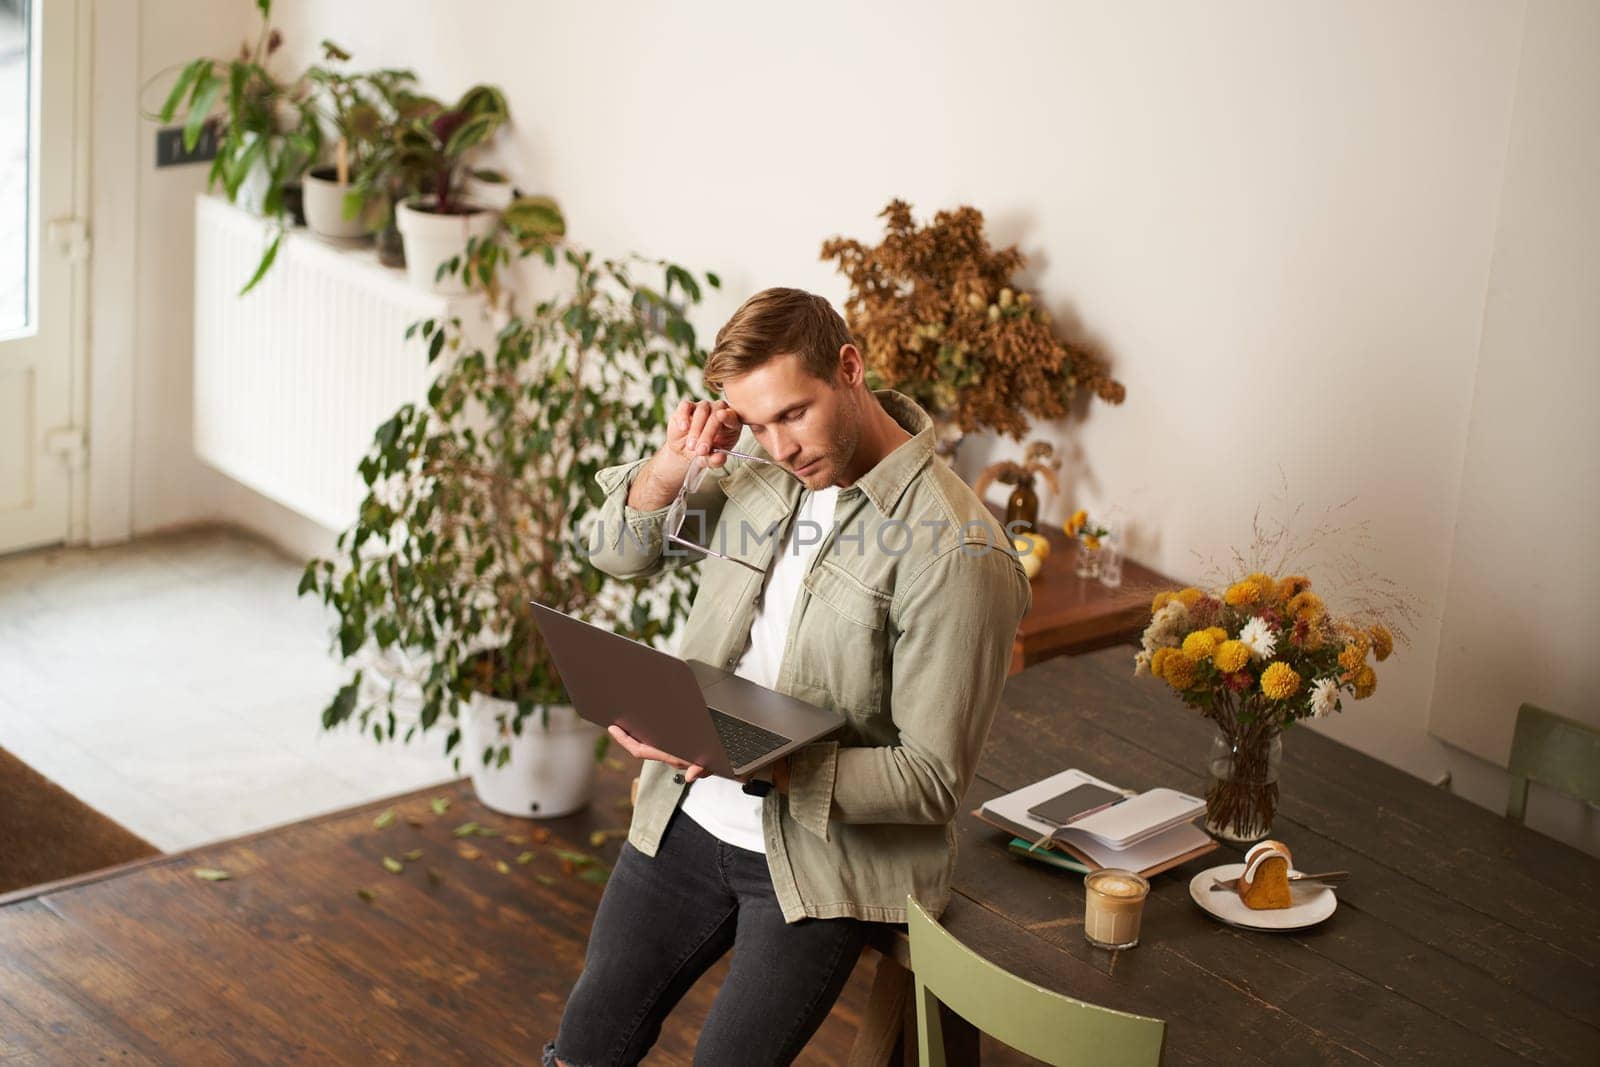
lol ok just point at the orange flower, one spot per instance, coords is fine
(1279, 681)
(1306, 605)
(1292, 586)
(1366, 683)
(1076, 523)
(1382, 641)
(1352, 658)
(1190, 597)
(1179, 670)
(1242, 594)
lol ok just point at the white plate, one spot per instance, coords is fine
(1310, 906)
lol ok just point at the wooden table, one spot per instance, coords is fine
(1071, 614)
(1461, 938)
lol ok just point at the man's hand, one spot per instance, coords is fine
(694, 430)
(639, 750)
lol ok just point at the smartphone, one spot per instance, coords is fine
(1074, 804)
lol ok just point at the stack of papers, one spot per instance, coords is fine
(1148, 833)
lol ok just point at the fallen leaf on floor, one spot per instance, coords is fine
(434, 876)
(486, 831)
(600, 837)
(467, 852)
(545, 879)
(392, 865)
(465, 829)
(540, 835)
(211, 874)
(597, 875)
(578, 859)
(502, 866)
(384, 821)
(516, 839)
(413, 820)
(526, 857)
(367, 895)
(440, 805)
(414, 854)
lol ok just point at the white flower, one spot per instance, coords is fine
(1324, 698)
(1258, 637)
(1141, 664)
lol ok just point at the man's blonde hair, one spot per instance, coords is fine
(777, 322)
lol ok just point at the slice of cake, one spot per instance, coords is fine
(1265, 881)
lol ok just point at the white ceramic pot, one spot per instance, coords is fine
(432, 238)
(552, 768)
(489, 193)
(324, 200)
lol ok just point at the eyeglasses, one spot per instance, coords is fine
(678, 510)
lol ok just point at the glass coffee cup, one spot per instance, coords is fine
(1113, 907)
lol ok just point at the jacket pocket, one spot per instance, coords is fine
(848, 597)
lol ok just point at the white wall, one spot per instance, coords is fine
(1521, 610)
(1279, 219)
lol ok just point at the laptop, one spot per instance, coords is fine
(727, 724)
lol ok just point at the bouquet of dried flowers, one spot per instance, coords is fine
(940, 319)
(1087, 531)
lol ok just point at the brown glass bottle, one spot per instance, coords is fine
(1022, 507)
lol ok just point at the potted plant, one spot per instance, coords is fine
(940, 319)
(358, 108)
(267, 129)
(384, 175)
(478, 500)
(430, 151)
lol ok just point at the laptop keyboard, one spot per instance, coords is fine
(745, 743)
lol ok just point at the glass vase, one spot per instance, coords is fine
(1088, 561)
(1242, 796)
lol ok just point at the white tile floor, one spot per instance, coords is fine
(177, 683)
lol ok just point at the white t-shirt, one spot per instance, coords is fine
(721, 805)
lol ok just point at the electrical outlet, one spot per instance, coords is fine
(170, 151)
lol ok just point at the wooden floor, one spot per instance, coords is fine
(286, 962)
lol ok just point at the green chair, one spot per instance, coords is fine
(1047, 1026)
(1556, 751)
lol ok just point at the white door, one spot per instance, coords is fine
(42, 260)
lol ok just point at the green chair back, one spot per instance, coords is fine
(1045, 1025)
(1553, 750)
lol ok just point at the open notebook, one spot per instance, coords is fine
(1148, 833)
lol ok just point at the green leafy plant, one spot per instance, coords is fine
(263, 122)
(431, 149)
(359, 106)
(479, 500)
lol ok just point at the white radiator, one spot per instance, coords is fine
(291, 379)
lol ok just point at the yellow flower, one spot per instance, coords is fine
(1242, 594)
(1231, 656)
(1190, 597)
(1352, 658)
(1091, 542)
(1306, 605)
(1264, 585)
(1366, 683)
(1160, 601)
(1076, 523)
(1158, 659)
(1218, 634)
(1199, 645)
(1382, 641)
(1279, 681)
(1178, 669)
(1292, 586)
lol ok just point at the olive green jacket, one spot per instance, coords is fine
(904, 624)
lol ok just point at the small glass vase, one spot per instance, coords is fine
(1088, 561)
(1242, 796)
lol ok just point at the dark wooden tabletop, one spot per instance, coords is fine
(1460, 938)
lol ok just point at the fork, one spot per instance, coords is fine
(1326, 878)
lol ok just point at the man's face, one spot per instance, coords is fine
(809, 425)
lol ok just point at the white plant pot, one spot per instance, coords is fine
(324, 201)
(252, 192)
(432, 238)
(552, 768)
(497, 195)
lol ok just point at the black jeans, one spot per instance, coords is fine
(664, 921)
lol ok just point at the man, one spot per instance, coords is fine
(881, 587)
